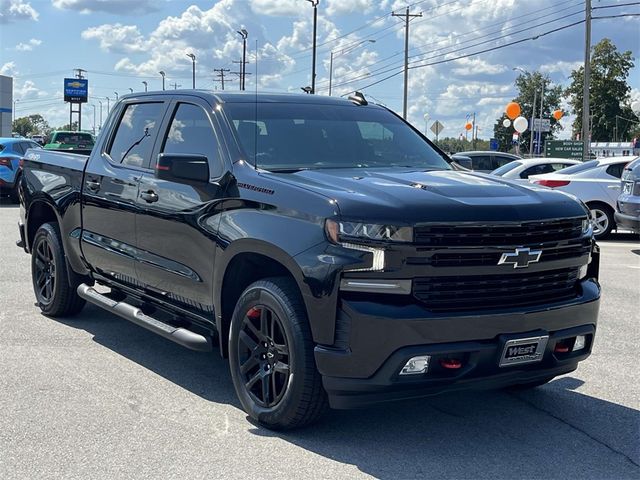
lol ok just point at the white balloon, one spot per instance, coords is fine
(635, 106)
(520, 124)
(506, 123)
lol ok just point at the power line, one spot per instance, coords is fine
(616, 6)
(617, 16)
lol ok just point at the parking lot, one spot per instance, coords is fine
(94, 396)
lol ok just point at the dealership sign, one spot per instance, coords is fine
(564, 149)
(76, 90)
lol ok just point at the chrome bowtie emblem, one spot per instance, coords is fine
(521, 258)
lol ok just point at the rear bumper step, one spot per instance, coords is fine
(179, 335)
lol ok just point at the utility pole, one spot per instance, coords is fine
(146, 85)
(315, 31)
(163, 75)
(221, 74)
(539, 144)
(193, 69)
(100, 124)
(242, 74)
(474, 132)
(175, 85)
(586, 132)
(407, 18)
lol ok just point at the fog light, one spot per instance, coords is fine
(416, 365)
(583, 272)
(580, 343)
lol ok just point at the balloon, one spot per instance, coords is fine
(635, 106)
(557, 114)
(506, 123)
(512, 110)
(520, 124)
(468, 126)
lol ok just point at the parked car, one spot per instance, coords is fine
(596, 183)
(77, 142)
(522, 169)
(483, 161)
(39, 139)
(11, 151)
(324, 245)
(628, 206)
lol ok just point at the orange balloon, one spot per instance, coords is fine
(558, 114)
(468, 126)
(512, 110)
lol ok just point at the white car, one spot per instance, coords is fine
(596, 183)
(520, 170)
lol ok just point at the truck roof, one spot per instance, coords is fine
(247, 97)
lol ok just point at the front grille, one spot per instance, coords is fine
(497, 234)
(485, 258)
(488, 292)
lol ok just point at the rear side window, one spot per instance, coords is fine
(537, 170)
(499, 160)
(616, 169)
(482, 162)
(506, 168)
(560, 166)
(133, 142)
(191, 132)
(581, 167)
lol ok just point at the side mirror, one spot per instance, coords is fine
(182, 167)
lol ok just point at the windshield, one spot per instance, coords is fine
(506, 168)
(74, 138)
(289, 136)
(580, 167)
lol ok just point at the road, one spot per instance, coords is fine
(94, 396)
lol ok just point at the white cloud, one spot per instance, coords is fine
(561, 66)
(28, 46)
(9, 69)
(342, 7)
(477, 66)
(15, 10)
(116, 7)
(281, 8)
(28, 91)
(117, 38)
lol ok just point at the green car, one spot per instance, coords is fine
(76, 142)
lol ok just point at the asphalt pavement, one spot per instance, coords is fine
(94, 396)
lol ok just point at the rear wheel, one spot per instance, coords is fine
(56, 296)
(602, 218)
(271, 356)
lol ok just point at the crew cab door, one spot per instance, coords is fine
(177, 221)
(110, 189)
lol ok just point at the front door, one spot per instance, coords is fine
(110, 190)
(177, 221)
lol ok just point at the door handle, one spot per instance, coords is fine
(93, 185)
(149, 196)
(614, 187)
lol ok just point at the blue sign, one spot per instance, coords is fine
(493, 144)
(76, 90)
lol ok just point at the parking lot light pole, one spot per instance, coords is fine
(131, 89)
(108, 105)
(315, 31)
(193, 68)
(343, 52)
(14, 112)
(100, 123)
(163, 75)
(116, 96)
(243, 66)
(146, 85)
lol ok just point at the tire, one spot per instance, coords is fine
(529, 385)
(271, 357)
(603, 220)
(55, 295)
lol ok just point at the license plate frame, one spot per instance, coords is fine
(627, 188)
(519, 351)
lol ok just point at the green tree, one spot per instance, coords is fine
(527, 84)
(31, 125)
(455, 145)
(608, 92)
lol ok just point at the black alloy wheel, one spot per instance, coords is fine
(263, 356)
(45, 271)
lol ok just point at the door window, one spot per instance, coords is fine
(191, 133)
(537, 170)
(482, 162)
(499, 161)
(133, 142)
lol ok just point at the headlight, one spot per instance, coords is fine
(339, 232)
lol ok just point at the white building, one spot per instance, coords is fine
(6, 105)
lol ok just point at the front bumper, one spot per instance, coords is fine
(629, 222)
(375, 341)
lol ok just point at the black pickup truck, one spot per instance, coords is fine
(326, 247)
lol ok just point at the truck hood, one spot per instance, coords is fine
(409, 196)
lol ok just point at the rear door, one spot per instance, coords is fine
(612, 187)
(177, 222)
(110, 189)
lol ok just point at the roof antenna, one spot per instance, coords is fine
(255, 130)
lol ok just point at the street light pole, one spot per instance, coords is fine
(243, 66)
(586, 131)
(315, 31)
(193, 68)
(14, 111)
(100, 124)
(163, 75)
(131, 89)
(116, 96)
(343, 52)
(94, 117)
(146, 85)
(108, 105)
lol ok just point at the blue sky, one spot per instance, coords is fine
(124, 42)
